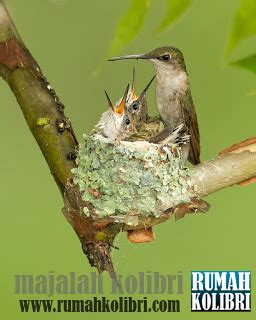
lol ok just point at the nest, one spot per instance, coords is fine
(126, 180)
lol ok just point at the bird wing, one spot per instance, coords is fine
(191, 123)
(161, 136)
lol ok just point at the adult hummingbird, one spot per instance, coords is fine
(116, 123)
(150, 128)
(173, 96)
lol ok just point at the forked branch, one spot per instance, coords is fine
(53, 132)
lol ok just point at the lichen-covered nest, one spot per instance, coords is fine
(130, 178)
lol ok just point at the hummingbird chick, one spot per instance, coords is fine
(146, 126)
(116, 123)
(173, 96)
(137, 105)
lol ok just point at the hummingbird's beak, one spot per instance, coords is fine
(133, 94)
(121, 107)
(109, 101)
(130, 56)
(143, 93)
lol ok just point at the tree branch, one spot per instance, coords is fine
(52, 130)
(40, 105)
(234, 165)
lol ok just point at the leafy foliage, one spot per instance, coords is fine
(174, 9)
(248, 63)
(130, 24)
(244, 24)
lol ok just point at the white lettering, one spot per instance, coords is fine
(197, 281)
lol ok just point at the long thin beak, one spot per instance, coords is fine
(121, 107)
(133, 94)
(130, 56)
(147, 86)
(109, 101)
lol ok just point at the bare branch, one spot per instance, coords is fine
(234, 165)
(40, 105)
(45, 117)
(44, 114)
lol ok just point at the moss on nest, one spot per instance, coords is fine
(130, 178)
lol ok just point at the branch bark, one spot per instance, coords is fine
(53, 132)
(39, 103)
(234, 165)
(44, 114)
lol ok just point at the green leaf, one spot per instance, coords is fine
(174, 9)
(130, 24)
(244, 24)
(248, 63)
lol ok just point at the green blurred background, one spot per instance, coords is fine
(70, 40)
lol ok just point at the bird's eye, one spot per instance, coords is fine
(135, 105)
(127, 121)
(165, 57)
